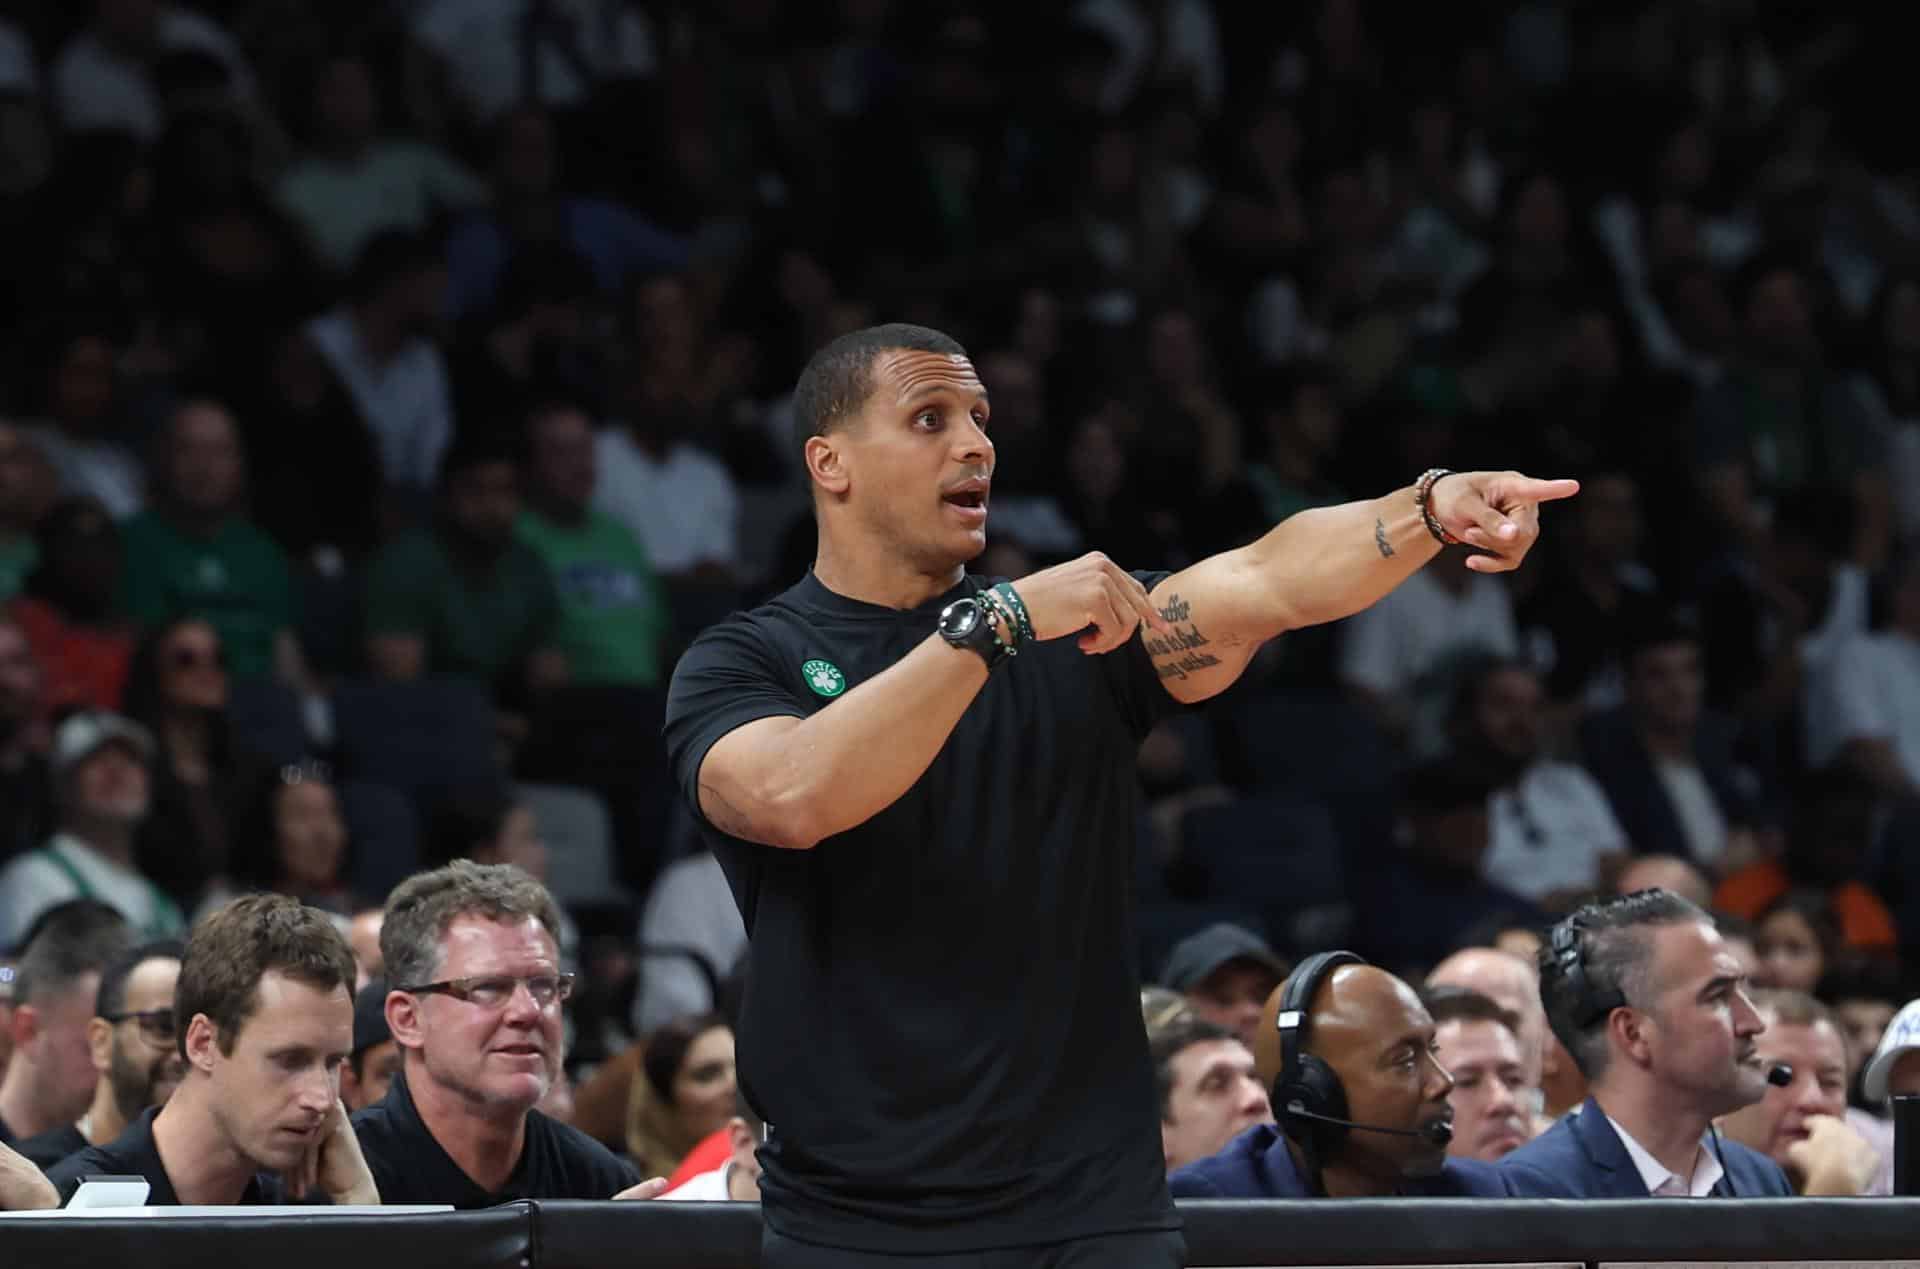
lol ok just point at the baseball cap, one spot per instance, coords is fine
(85, 733)
(370, 1017)
(1902, 1035)
(1195, 957)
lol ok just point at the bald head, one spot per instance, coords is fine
(1669, 873)
(1509, 982)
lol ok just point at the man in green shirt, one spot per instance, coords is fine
(195, 553)
(464, 596)
(613, 613)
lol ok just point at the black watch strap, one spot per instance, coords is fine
(965, 623)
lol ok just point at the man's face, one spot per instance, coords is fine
(1380, 1040)
(1790, 953)
(271, 1096)
(1233, 995)
(1779, 1119)
(1862, 1022)
(378, 1066)
(1698, 1031)
(143, 1064)
(563, 458)
(205, 464)
(19, 680)
(111, 784)
(483, 501)
(1667, 686)
(53, 1031)
(1489, 1089)
(1215, 1097)
(1507, 714)
(506, 1056)
(915, 462)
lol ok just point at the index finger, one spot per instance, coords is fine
(1142, 603)
(1520, 489)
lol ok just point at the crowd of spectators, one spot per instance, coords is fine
(393, 388)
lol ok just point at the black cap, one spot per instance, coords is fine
(1195, 957)
(370, 1017)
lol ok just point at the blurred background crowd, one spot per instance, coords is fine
(391, 388)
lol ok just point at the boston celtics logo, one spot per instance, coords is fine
(824, 678)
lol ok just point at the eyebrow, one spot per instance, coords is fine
(938, 389)
(1721, 980)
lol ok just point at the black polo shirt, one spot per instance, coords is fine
(941, 1022)
(51, 1146)
(133, 1153)
(409, 1166)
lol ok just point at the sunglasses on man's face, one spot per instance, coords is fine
(157, 1025)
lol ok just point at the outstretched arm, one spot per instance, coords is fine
(1330, 562)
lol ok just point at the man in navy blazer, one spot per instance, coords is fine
(1644, 994)
(1383, 1121)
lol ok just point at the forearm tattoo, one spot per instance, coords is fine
(1179, 654)
(1380, 538)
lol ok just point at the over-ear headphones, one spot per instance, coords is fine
(1585, 1005)
(1307, 1093)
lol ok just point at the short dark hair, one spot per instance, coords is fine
(1169, 1043)
(1615, 956)
(1464, 1004)
(112, 996)
(668, 1047)
(67, 942)
(839, 377)
(422, 907)
(238, 944)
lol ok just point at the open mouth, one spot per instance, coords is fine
(519, 1050)
(970, 499)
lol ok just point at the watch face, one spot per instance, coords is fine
(959, 619)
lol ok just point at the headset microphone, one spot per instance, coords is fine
(1780, 1075)
(1438, 1132)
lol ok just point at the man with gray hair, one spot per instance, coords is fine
(472, 955)
(1644, 994)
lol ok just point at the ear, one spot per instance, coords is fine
(203, 1044)
(827, 465)
(1627, 1029)
(25, 1025)
(100, 1043)
(740, 1138)
(404, 1021)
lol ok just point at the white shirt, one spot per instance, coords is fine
(683, 508)
(406, 402)
(691, 906)
(1662, 1183)
(1868, 689)
(704, 1187)
(32, 883)
(1421, 623)
(95, 87)
(1549, 831)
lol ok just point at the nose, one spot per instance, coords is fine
(1439, 1085)
(1502, 1097)
(1254, 1103)
(521, 1006)
(1747, 1021)
(972, 446)
(318, 1091)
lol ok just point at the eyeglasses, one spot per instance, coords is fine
(493, 991)
(156, 1025)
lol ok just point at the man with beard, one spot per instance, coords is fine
(1644, 994)
(1360, 1094)
(464, 597)
(473, 956)
(265, 1002)
(132, 1037)
(1549, 826)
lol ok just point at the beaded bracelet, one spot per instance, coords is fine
(1423, 498)
(992, 603)
(1007, 593)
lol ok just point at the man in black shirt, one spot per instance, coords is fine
(941, 1026)
(133, 1042)
(264, 994)
(472, 952)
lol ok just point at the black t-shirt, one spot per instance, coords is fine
(51, 1146)
(941, 1022)
(133, 1153)
(409, 1166)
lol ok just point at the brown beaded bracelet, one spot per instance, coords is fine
(1423, 498)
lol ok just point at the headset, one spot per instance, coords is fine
(1308, 1098)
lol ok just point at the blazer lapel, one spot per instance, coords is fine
(1617, 1178)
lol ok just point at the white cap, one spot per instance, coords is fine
(83, 734)
(1902, 1036)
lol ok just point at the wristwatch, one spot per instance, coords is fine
(964, 624)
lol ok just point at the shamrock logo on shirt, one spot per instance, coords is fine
(824, 678)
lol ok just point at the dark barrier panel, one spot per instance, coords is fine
(500, 1238)
(1353, 1232)
(1906, 1145)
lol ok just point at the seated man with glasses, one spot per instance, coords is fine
(472, 953)
(264, 1006)
(135, 1055)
